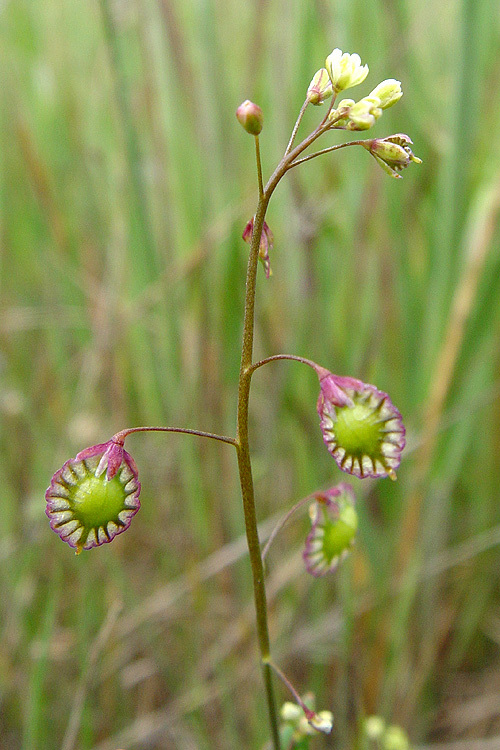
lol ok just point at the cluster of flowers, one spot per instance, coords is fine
(343, 71)
(302, 721)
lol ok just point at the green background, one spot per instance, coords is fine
(125, 185)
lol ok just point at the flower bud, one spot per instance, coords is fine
(322, 722)
(291, 712)
(361, 427)
(339, 117)
(388, 93)
(320, 87)
(345, 70)
(374, 727)
(250, 117)
(392, 153)
(334, 524)
(364, 114)
(94, 496)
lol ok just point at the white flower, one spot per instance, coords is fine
(291, 712)
(345, 70)
(388, 93)
(322, 721)
(374, 727)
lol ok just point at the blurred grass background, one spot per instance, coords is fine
(125, 185)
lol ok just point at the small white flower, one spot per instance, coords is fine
(322, 721)
(304, 720)
(291, 712)
(345, 70)
(374, 727)
(388, 93)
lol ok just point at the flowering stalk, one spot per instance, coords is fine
(242, 446)
(361, 427)
(93, 497)
(245, 467)
(259, 166)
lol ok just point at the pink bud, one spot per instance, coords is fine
(250, 117)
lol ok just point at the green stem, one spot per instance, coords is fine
(289, 157)
(259, 166)
(296, 127)
(245, 469)
(242, 444)
(283, 521)
(287, 160)
(325, 151)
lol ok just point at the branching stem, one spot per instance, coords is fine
(277, 357)
(242, 442)
(282, 522)
(296, 127)
(324, 151)
(284, 679)
(245, 468)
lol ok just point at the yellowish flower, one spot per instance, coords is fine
(388, 93)
(345, 70)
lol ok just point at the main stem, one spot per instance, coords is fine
(245, 470)
(242, 445)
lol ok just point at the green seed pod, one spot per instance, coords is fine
(94, 496)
